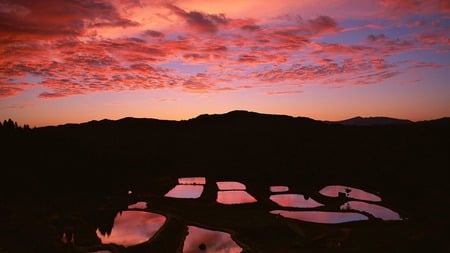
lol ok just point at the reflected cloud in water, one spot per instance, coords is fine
(185, 191)
(234, 197)
(294, 200)
(201, 240)
(377, 211)
(138, 205)
(192, 180)
(279, 188)
(133, 227)
(230, 185)
(350, 192)
(321, 216)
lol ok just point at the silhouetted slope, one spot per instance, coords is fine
(72, 169)
(74, 161)
(371, 121)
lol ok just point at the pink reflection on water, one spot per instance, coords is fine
(334, 190)
(138, 205)
(185, 191)
(230, 185)
(234, 197)
(204, 240)
(321, 216)
(294, 200)
(133, 227)
(279, 188)
(375, 210)
(192, 180)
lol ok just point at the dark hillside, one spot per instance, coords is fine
(372, 121)
(74, 165)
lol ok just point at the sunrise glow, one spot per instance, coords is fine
(75, 61)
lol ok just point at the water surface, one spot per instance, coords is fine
(321, 216)
(230, 185)
(234, 197)
(294, 200)
(377, 211)
(138, 205)
(279, 188)
(185, 191)
(204, 240)
(133, 227)
(192, 180)
(350, 192)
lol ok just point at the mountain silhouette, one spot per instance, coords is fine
(230, 144)
(372, 121)
(71, 169)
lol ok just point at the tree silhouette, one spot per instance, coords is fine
(10, 125)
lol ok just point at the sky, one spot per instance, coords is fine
(74, 61)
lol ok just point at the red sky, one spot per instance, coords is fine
(75, 61)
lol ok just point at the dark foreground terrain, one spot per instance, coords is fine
(78, 176)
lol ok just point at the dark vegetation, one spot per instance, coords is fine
(55, 177)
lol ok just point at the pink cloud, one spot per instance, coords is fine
(288, 38)
(402, 5)
(51, 46)
(61, 88)
(420, 64)
(248, 59)
(444, 6)
(85, 67)
(250, 27)
(199, 83)
(136, 76)
(351, 71)
(27, 20)
(434, 38)
(375, 77)
(387, 46)
(337, 49)
(153, 34)
(408, 7)
(206, 23)
(323, 24)
(208, 82)
(376, 38)
(417, 23)
(9, 90)
(196, 57)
